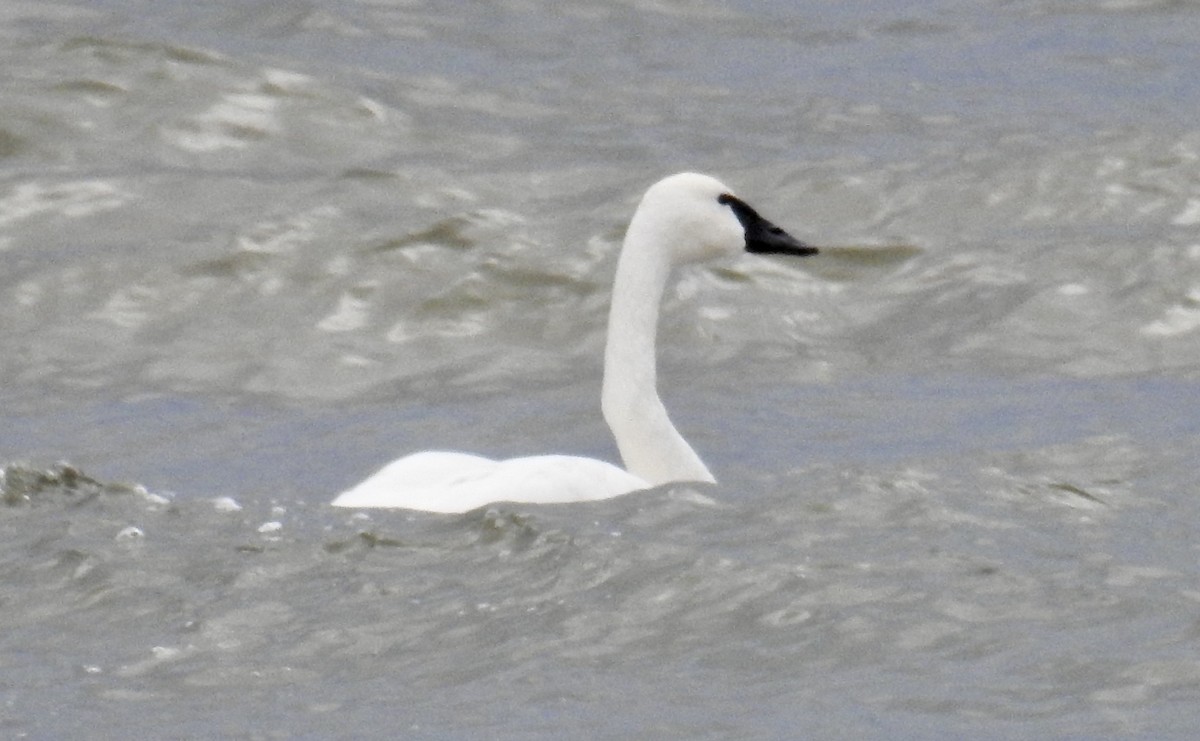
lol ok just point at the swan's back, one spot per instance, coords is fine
(440, 481)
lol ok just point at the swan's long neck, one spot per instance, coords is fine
(651, 448)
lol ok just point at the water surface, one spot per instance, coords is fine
(252, 253)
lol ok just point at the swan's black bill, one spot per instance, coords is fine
(763, 237)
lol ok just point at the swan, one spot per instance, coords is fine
(681, 219)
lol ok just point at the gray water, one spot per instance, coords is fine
(252, 251)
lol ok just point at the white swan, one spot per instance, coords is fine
(681, 219)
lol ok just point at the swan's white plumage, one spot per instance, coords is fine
(440, 481)
(682, 218)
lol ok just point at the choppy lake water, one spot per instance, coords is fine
(249, 252)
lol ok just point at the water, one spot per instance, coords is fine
(253, 251)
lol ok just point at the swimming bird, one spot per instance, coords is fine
(681, 219)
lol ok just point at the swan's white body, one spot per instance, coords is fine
(442, 481)
(683, 218)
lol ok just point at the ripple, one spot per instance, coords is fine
(72, 199)
(236, 121)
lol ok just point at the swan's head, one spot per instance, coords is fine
(696, 217)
